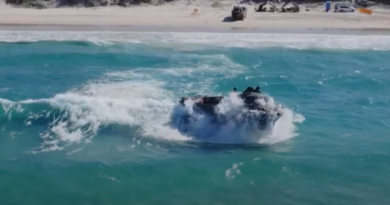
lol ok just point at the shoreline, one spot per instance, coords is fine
(196, 29)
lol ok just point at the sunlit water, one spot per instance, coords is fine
(86, 118)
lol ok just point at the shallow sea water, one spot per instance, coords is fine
(85, 118)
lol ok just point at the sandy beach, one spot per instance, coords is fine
(181, 14)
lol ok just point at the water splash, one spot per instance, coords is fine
(77, 116)
(240, 129)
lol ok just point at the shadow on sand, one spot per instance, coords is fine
(228, 19)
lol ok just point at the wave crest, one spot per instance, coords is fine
(75, 118)
(194, 41)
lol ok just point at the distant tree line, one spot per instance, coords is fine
(359, 2)
(80, 3)
(95, 3)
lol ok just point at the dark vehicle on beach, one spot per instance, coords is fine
(239, 13)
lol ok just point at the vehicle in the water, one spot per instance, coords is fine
(255, 109)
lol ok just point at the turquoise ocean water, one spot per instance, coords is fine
(85, 119)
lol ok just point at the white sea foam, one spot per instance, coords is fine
(200, 40)
(139, 102)
(143, 104)
(233, 171)
(145, 99)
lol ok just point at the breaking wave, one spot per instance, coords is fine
(74, 118)
(194, 41)
(137, 102)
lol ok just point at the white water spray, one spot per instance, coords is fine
(146, 105)
(239, 131)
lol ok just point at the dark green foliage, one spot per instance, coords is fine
(93, 3)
